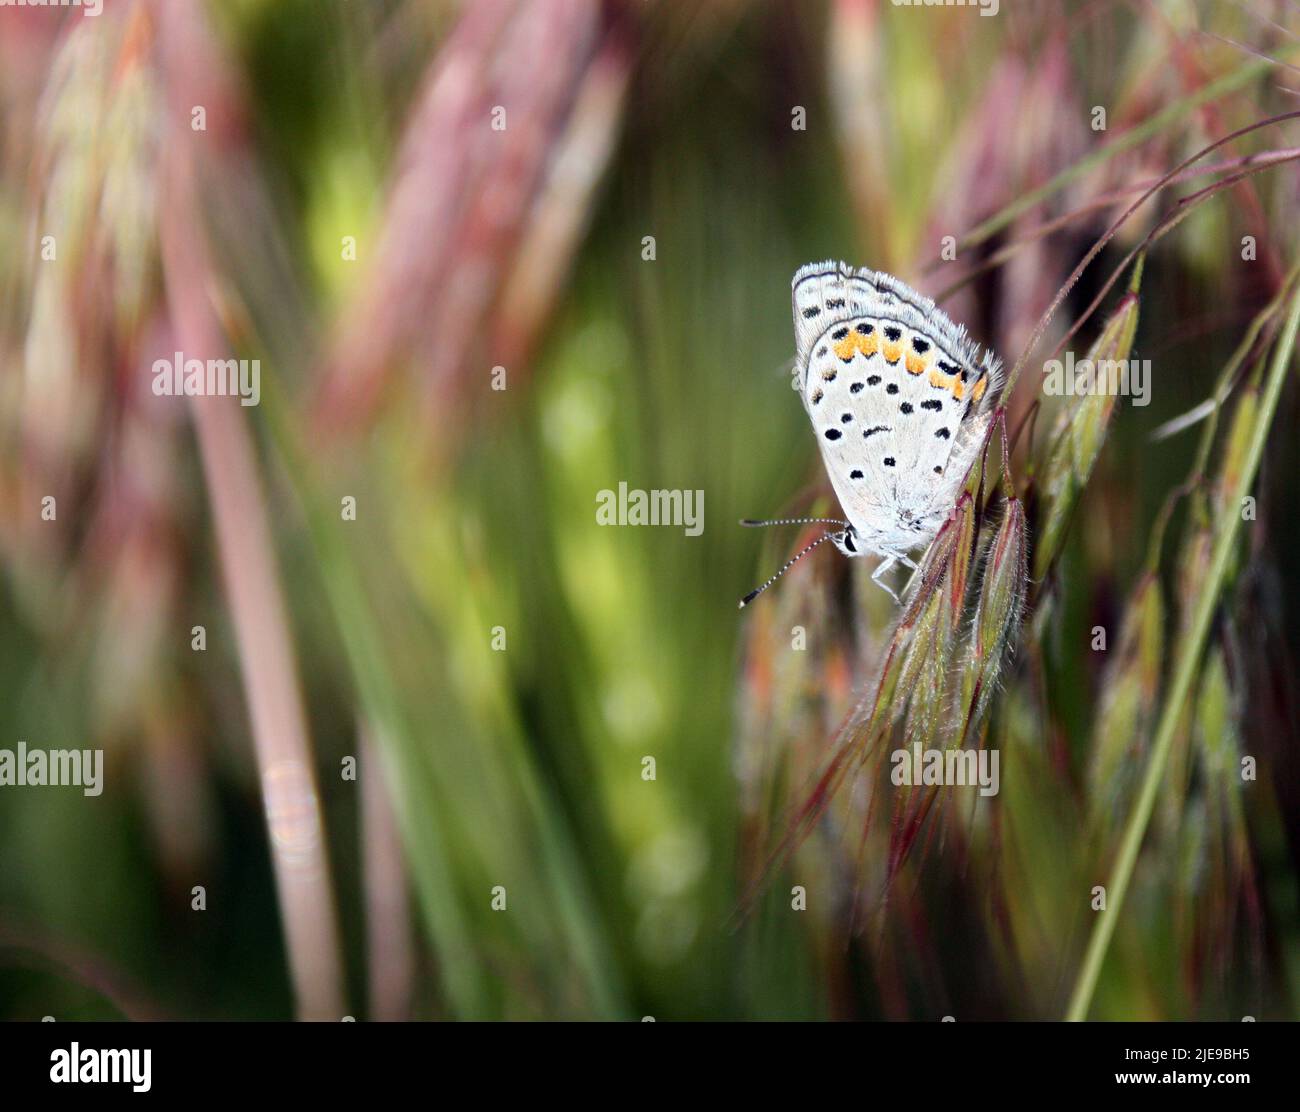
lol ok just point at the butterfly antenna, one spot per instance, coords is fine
(752, 524)
(788, 565)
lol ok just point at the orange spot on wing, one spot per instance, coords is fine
(916, 364)
(938, 378)
(893, 352)
(855, 342)
(978, 391)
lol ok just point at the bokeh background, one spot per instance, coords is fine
(403, 715)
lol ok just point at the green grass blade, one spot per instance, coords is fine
(1179, 689)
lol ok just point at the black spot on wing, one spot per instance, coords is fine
(812, 311)
(833, 434)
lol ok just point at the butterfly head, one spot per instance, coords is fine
(848, 542)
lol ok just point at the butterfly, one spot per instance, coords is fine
(900, 399)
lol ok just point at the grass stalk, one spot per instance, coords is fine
(1184, 673)
(390, 949)
(1135, 137)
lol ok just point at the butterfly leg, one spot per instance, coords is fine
(907, 563)
(885, 564)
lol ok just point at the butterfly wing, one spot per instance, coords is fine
(823, 294)
(899, 397)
